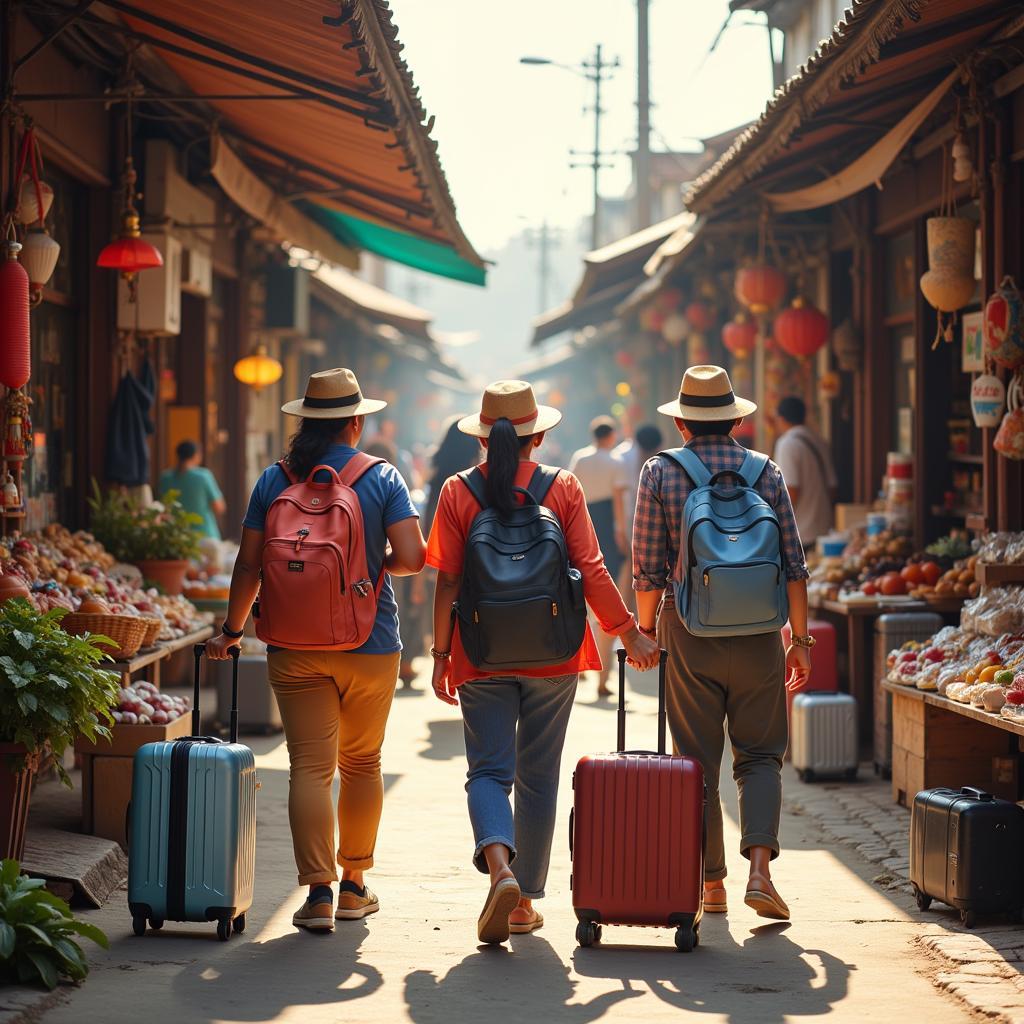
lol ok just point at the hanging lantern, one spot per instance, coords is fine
(847, 347)
(697, 351)
(761, 289)
(39, 256)
(739, 336)
(801, 330)
(258, 370)
(28, 201)
(675, 328)
(15, 364)
(669, 299)
(830, 385)
(622, 389)
(652, 318)
(963, 168)
(701, 316)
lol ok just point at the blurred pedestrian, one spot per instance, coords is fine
(806, 462)
(197, 488)
(603, 477)
(634, 452)
(515, 721)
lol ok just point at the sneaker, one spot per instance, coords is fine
(317, 917)
(355, 903)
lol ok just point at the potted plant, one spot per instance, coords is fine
(51, 689)
(159, 538)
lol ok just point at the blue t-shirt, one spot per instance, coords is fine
(385, 501)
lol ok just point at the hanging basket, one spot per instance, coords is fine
(1009, 439)
(949, 283)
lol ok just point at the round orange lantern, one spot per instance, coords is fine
(258, 370)
(739, 336)
(761, 288)
(701, 316)
(801, 330)
(15, 365)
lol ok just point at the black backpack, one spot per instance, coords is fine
(520, 602)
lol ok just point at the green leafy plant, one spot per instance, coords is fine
(134, 533)
(52, 687)
(37, 932)
(955, 545)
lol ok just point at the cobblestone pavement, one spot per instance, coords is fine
(982, 967)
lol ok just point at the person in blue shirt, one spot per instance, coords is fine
(197, 488)
(334, 704)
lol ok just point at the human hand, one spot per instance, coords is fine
(441, 681)
(219, 648)
(620, 541)
(798, 668)
(642, 652)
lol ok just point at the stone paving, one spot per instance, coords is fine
(983, 967)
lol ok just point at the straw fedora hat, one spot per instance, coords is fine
(331, 395)
(512, 400)
(706, 394)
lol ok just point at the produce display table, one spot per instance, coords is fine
(940, 742)
(150, 658)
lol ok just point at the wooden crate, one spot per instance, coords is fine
(988, 574)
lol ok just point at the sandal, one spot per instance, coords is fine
(493, 927)
(525, 927)
(766, 902)
(715, 901)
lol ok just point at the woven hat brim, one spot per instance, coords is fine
(739, 409)
(364, 408)
(547, 417)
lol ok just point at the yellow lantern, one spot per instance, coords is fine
(622, 389)
(258, 370)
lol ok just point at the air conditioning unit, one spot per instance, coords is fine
(287, 305)
(157, 309)
(197, 272)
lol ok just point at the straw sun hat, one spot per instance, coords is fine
(705, 395)
(330, 395)
(512, 400)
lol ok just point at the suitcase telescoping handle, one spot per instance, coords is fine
(978, 794)
(199, 650)
(621, 744)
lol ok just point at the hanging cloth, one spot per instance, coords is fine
(127, 455)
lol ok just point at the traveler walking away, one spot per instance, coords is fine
(720, 620)
(197, 488)
(634, 452)
(806, 463)
(602, 475)
(510, 640)
(319, 522)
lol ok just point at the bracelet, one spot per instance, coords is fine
(231, 633)
(806, 642)
(439, 655)
(650, 633)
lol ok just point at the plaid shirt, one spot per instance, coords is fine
(664, 488)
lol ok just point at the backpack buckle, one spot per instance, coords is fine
(363, 587)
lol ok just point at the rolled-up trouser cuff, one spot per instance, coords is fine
(715, 876)
(355, 863)
(478, 854)
(318, 878)
(531, 895)
(759, 839)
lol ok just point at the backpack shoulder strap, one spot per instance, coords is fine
(474, 480)
(357, 467)
(286, 469)
(691, 464)
(754, 464)
(541, 481)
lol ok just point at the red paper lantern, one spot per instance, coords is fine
(669, 299)
(624, 359)
(739, 336)
(15, 361)
(701, 316)
(801, 330)
(761, 289)
(130, 253)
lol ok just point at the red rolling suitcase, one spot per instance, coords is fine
(824, 663)
(636, 836)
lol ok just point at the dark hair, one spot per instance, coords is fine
(456, 452)
(602, 427)
(504, 446)
(710, 428)
(382, 448)
(186, 450)
(310, 442)
(649, 438)
(793, 410)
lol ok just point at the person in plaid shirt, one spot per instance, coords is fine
(740, 680)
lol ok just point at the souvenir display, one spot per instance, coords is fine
(1009, 439)
(1004, 324)
(987, 397)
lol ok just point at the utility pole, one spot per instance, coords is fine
(643, 118)
(543, 240)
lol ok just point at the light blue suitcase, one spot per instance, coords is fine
(192, 833)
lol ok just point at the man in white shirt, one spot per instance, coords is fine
(634, 452)
(605, 483)
(806, 464)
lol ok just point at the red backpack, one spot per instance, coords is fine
(316, 592)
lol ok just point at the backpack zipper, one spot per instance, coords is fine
(303, 534)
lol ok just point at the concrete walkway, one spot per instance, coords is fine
(849, 953)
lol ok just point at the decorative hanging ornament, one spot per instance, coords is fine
(846, 345)
(739, 336)
(675, 329)
(39, 255)
(700, 316)
(963, 168)
(258, 370)
(761, 288)
(11, 497)
(1003, 325)
(669, 299)
(830, 384)
(15, 350)
(28, 201)
(987, 397)
(948, 283)
(17, 440)
(1009, 439)
(801, 330)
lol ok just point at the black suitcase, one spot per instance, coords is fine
(967, 849)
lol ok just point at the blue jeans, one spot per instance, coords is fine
(515, 729)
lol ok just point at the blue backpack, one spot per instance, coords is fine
(731, 579)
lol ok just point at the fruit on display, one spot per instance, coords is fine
(143, 704)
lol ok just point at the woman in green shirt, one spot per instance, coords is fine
(197, 488)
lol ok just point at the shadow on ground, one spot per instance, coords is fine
(445, 740)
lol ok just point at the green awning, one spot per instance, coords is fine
(398, 246)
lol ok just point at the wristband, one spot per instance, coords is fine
(806, 642)
(439, 655)
(230, 632)
(650, 633)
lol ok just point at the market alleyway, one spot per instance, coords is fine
(849, 953)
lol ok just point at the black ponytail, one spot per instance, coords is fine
(307, 447)
(504, 446)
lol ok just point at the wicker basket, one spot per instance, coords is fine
(126, 631)
(154, 627)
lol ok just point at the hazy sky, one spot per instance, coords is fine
(505, 129)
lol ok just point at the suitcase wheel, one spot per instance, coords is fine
(239, 924)
(587, 933)
(805, 775)
(156, 923)
(224, 929)
(968, 918)
(138, 924)
(687, 939)
(923, 900)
